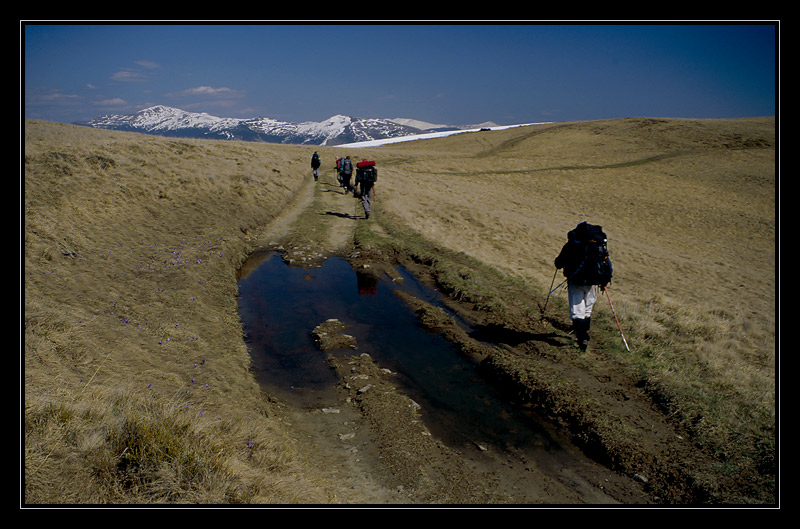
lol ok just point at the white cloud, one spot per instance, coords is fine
(113, 102)
(129, 76)
(150, 65)
(57, 97)
(211, 91)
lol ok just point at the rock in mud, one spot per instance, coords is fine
(328, 335)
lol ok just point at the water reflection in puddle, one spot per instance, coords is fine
(280, 305)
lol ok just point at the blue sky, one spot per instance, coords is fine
(440, 73)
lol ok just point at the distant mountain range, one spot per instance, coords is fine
(168, 121)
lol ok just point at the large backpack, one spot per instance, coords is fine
(594, 263)
(369, 175)
(347, 166)
(366, 172)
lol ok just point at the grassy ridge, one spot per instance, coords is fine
(132, 338)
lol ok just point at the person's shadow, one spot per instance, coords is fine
(340, 215)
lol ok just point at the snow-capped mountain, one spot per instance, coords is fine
(168, 121)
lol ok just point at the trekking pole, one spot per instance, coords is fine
(617, 319)
(550, 292)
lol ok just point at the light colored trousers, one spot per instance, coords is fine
(581, 301)
(366, 198)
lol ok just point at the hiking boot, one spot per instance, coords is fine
(576, 330)
(584, 342)
(581, 329)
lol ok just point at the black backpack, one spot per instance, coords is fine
(367, 175)
(595, 268)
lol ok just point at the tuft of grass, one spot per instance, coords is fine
(126, 447)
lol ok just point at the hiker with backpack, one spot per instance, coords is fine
(366, 175)
(347, 173)
(586, 265)
(315, 163)
(338, 169)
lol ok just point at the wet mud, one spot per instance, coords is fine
(351, 347)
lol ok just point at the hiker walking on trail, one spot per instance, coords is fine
(347, 173)
(338, 169)
(366, 175)
(586, 265)
(315, 163)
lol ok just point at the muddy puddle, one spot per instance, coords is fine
(280, 305)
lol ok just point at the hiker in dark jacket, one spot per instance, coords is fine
(315, 163)
(347, 173)
(585, 261)
(366, 176)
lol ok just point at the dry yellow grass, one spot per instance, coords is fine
(131, 244)
(689, 209)
(132, 339)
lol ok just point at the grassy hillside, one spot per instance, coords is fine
(136, 379)
(689, 209)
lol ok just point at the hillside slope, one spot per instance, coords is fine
(137, 383)
(689, 209)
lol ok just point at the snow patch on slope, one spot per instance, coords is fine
(429, 135)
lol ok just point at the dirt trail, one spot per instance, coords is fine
(342, 211)
(338, 440)
(374, 445)
(330, 212)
